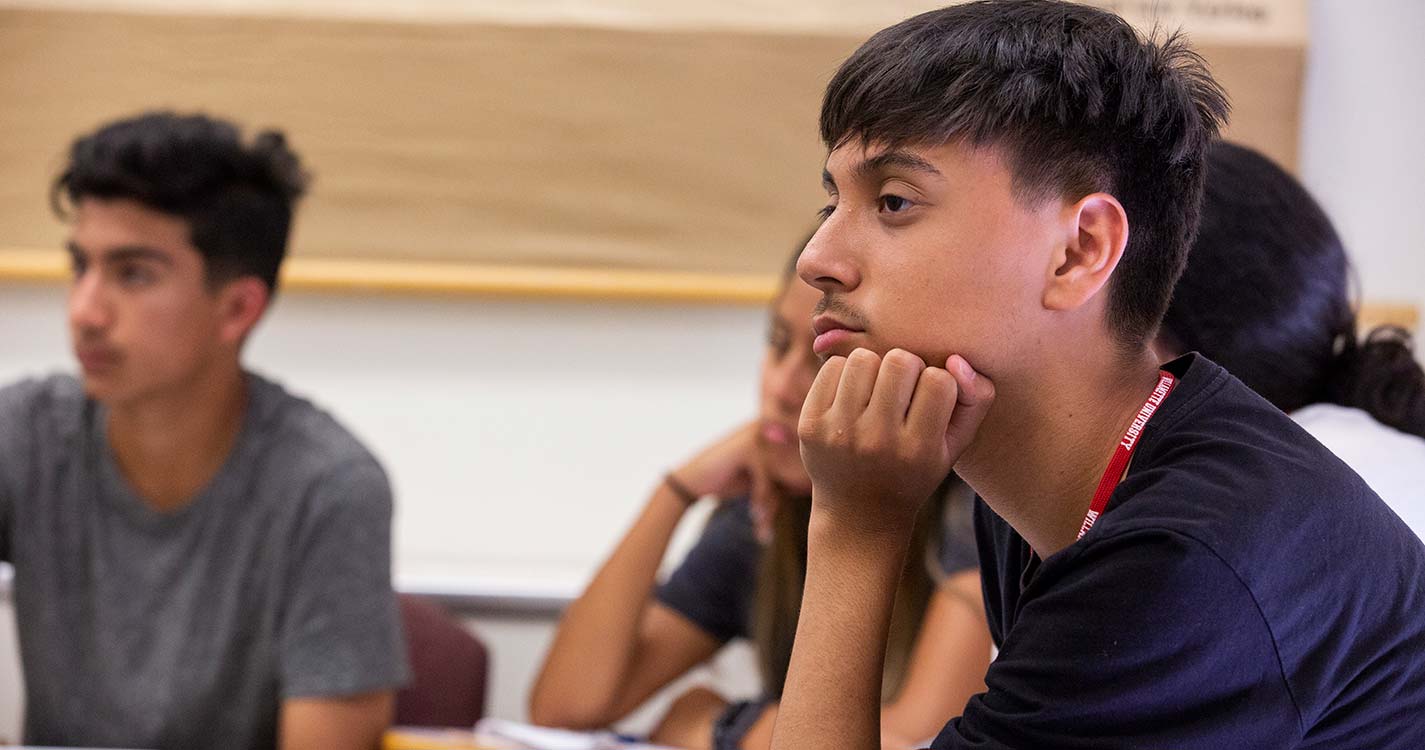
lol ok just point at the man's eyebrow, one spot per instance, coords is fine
(123, 253)
(138, 252)
(894, 159)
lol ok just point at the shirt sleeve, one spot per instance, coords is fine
(714, 585)
(1142, 639)
(17, 429)
(341, 631)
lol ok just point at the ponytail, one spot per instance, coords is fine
(1380, 376)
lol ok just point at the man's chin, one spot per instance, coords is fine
(104, 388)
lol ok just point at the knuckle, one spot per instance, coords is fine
(936, 383)
(903, 360)
(809, 428)
(863, 358)
(936, 377)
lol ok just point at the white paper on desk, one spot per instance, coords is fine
(543, 738)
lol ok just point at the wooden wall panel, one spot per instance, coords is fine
(672, 149)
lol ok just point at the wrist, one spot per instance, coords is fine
(845, 553)
(869, 533)
(680, 489)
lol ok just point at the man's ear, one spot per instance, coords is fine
(241, 303)
(1097, 234)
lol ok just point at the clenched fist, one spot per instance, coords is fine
(878, 434)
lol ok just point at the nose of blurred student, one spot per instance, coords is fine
(91, 314)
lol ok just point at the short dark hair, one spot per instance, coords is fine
(1077, 101)
(238, 198)
(1267, 295)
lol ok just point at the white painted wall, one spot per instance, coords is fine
(1363, 154)
(521, 436)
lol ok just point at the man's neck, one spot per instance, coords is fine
(170, 446)
(1047, 441)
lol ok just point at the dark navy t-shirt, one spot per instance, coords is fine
(1244, 589)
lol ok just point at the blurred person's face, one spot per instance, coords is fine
(142, 317)
(927, 249)
(788, 369)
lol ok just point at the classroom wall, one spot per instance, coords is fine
(1362, 152)
(537, 427)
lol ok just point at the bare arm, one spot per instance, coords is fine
(877, 435)
(348, 723)
(948, 665)
(615, 645)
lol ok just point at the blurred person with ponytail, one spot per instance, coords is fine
(1266, 294)
(628, 636)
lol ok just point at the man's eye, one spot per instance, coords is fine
(135, 275)
(894, 203)
(825, 212)
(778, 342)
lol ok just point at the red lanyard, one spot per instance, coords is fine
(1124, 451)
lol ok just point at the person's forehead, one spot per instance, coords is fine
(103, 226)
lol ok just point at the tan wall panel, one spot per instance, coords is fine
(479, 143)
(565, 146)
(1233, 21)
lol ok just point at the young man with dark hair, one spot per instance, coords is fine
(1168, 561)
(201, 559)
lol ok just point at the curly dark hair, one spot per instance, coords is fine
(237, 197)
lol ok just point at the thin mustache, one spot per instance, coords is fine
(86, 340)
(841, 310)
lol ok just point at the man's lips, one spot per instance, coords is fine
(830, 333)
(96, 359)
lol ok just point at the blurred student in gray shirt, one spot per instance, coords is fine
(202, 560)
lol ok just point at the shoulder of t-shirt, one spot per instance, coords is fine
(43, 408)
(36, 412)
(1215, 437)
(1228, 469)
(304, 442)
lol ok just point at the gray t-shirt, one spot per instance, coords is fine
(187, 629)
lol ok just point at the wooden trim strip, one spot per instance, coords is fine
(534, 282)
(1401, 314)
(435, 278)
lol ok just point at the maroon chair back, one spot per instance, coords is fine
(449, 669)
